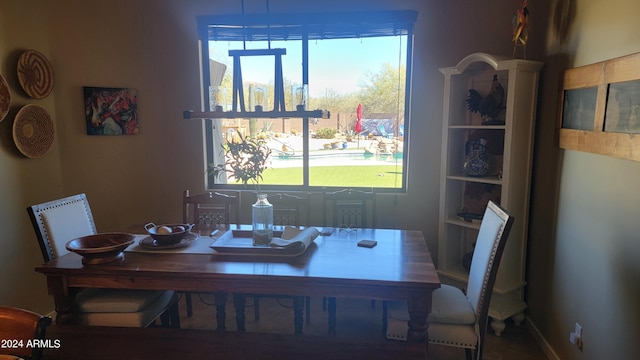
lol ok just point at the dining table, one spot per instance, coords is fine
(399, 267)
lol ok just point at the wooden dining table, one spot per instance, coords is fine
(399, 267)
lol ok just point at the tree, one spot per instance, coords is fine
(384, 91)
(330, 100)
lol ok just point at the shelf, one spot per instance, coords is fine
(479, 179)
(457, 273)
(190, 114)
(476, 127)
(475, 225)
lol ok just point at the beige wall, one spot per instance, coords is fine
(22, 181)
(584, 241)
(583, 222)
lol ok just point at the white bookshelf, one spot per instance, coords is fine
(509, 176)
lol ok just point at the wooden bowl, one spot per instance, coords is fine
(176, 234)
(101, 248)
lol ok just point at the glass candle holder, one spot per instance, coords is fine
(301, 97)
(258, 97)
(218, 98)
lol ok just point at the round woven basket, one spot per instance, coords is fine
(5, 98)
(33, 131)
(35, 74)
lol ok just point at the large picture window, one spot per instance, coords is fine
(355, 66)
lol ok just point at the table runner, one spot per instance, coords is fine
(198, 246)
(201, 245)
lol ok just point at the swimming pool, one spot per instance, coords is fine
(337, 158)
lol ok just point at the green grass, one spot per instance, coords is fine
(386, 176)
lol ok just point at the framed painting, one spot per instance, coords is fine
(111, 111)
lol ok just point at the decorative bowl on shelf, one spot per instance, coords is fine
(168, 234)
(101, 248)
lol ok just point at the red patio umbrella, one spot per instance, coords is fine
(358, 127)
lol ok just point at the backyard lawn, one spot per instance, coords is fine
(387, 176)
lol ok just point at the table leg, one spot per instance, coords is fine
(239, 303)
(298, 308)
(64, 299)
(385, 312)
(331, 310)
(419, 305)
(221, 316)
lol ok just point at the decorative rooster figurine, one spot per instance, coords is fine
(488, 106)
(520, 24)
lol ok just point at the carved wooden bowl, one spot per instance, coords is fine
(175, 234)
(101, 248)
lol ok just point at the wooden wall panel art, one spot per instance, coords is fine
(599, 110)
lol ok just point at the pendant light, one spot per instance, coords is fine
(239, 109)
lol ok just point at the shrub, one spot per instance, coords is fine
(326, 133)
(246, 158)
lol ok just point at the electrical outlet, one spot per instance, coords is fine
(576, 336)
(578, 331)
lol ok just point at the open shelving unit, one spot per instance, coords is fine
(510, 149)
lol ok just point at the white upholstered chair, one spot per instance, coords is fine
(59, 221)
(460, 318)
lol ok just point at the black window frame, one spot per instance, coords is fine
(304, 27)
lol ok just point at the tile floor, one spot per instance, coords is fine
(354, 318)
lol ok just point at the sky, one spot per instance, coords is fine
(338, 65)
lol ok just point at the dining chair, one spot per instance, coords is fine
(208, 212)
(460, 318)
(211, 210)
(289, 209)
(59, 221)
(21, 326)
(347, 210)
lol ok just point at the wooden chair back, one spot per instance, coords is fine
(210, 209)
(290, 209)
(22, 325)
(350, 208)
(59, 221)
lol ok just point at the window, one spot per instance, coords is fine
(355, 65)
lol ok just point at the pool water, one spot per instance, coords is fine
(338, 158)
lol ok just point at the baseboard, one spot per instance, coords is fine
(544, 345)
